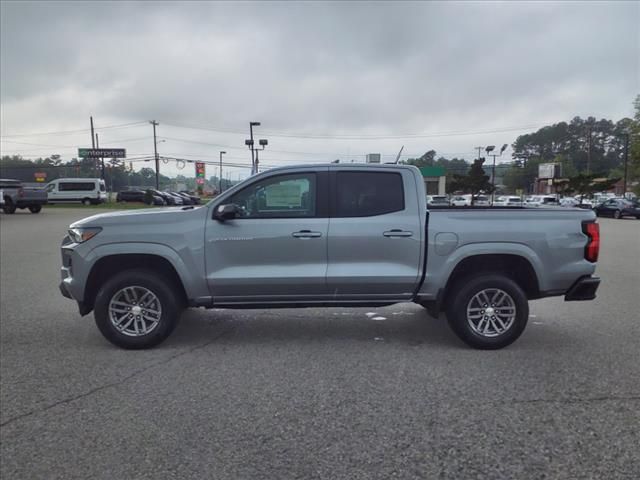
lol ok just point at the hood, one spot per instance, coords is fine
(142, 216)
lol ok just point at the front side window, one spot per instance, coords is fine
(365, 194)
(283, 196)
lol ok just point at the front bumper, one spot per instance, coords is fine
(584, 289)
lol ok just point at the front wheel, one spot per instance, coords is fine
(9, 207)
(136, 309)
(86, 201)
(617, 214)
(488, 311)
(35, 208)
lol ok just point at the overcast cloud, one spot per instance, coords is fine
(311, 69)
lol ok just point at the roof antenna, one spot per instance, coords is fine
(399, 153)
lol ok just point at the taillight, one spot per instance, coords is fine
(591, 230)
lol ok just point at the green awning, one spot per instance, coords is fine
(432, 171)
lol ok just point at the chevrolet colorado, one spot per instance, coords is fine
(328, 235)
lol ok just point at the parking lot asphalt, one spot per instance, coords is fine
(315, 393)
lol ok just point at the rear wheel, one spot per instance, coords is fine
(86, 201)
(617, 214)
(136, 309)
(488, 311)
(35, 208)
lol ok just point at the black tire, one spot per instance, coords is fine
(9, 207)
(86, 201)
(35, 208)
(163, 289)
(617, 214)
(465, 291)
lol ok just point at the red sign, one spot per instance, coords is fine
(40, 176)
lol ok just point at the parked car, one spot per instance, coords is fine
(135, 195)
(618, 208)
(88, 191)
(481, 201)
(194, 198)
(331, 235)
(169, 199)
(506, 201)
(178, 200)
(186, 199)
(17, 195)
(460, 201)
(541, 201)
(437, 201)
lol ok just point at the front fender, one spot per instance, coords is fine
(187, 269)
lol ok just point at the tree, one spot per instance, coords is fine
(474, 182)
(586, 185)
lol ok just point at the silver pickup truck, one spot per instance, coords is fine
(328, 235)
(14, 194)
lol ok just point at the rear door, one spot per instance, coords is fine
(375, 235)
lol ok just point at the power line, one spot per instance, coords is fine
(363, 137)
(69, 132)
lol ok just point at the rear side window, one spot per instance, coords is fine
(365, 194)
(76, 186)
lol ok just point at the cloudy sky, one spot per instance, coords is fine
(327, 80)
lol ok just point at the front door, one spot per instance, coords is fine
(276, 249)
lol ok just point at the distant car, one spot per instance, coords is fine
(194, 198)
(569, 202)
(136, 195)
(460, 201)
(437, 201)
(16, 195)
(541, 201)
(169, 199)
(618, 208)
(481, 201)
(186, 199)
(178, 200)
(508, 202)
(88, 191)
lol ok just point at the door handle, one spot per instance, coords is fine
(396, 232)
(306, 234)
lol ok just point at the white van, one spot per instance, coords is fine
(85, 190)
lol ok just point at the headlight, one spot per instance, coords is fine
(79, 234)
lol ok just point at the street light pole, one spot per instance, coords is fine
(626, 159)
(155, 154)
(253, 161)
(220, 179)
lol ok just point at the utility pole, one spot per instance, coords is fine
(101, 158)
(589, 152)
(93, 141)
(220, 180)
(479, 152)
(155, 153)
(626, 160)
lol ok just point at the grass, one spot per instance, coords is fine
(102, 206)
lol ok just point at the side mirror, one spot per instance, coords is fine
(226, 212)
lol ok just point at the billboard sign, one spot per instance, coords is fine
(200, 173)
(40, 176)
(102, 153)
(546, 170)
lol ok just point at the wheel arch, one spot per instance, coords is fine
(109, 265)
(514, 266)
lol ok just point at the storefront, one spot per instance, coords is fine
(434, 180)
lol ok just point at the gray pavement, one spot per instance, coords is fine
(315, 393)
